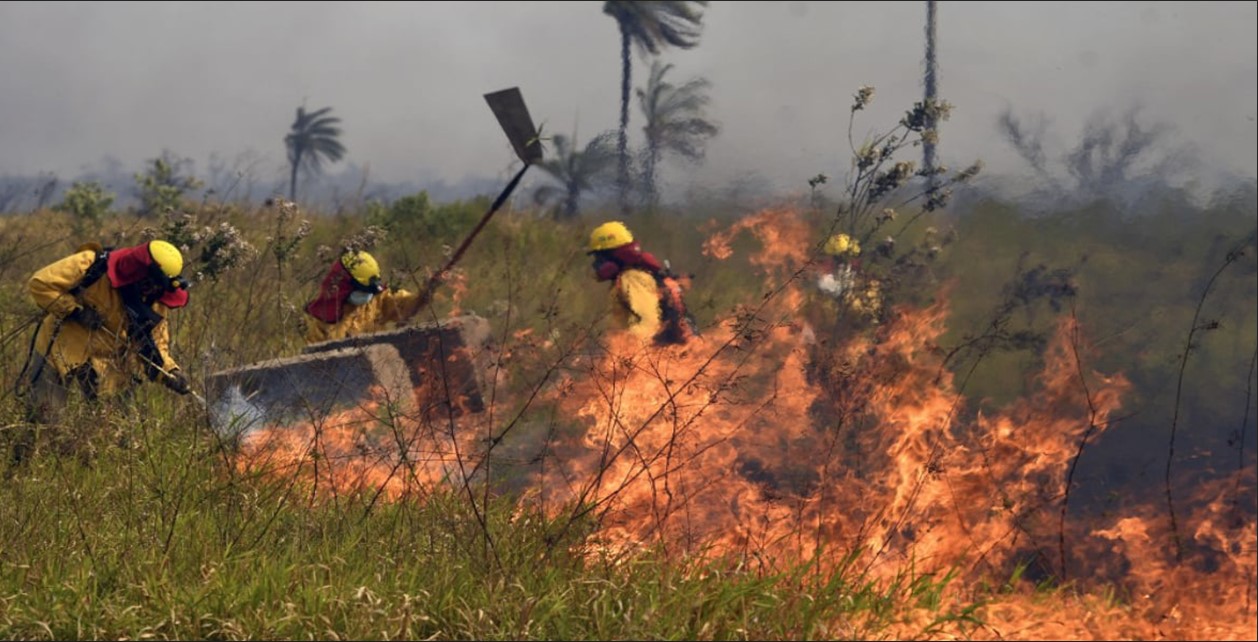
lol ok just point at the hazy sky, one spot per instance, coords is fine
(82, 81)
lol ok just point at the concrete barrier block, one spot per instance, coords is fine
(448, 361)
(308, 389)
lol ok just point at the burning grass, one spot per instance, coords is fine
(806, 470)
(762, 450)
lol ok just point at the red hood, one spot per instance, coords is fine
(129, 265)
(336, 287)
(627, 256)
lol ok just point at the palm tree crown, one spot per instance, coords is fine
(675, 121)
(651, 26)
(311, 141)
(576, 170)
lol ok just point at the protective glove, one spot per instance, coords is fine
(178, 382)
(86, 316)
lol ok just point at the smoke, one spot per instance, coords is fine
(233, 416)
(408, 78)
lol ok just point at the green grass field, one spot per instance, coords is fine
(856, 484)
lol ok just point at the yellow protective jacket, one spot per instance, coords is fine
(67, 344)
(384, 309)
(637, 302)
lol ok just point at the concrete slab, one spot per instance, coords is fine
(309, 388)
(447, 360)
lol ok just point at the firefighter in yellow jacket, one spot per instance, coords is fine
(647, 297)
(352, 300)
(846, 282)
(105, 328)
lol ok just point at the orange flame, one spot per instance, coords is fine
(457, 282)
(763, 442)
(732, 447)
(370, 448)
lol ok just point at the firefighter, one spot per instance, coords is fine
(840, 275)
(845, 281)
(647, 296)
(104, 328)
(353, 300)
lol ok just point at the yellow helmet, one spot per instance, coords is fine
(609, 235)
(362, 266)
(841, 244)
(167, 257)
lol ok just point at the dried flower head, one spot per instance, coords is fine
(886, 247)
(926, 115)
(368, 238)
(970, 172)
(866, 156)
(891, 179)
(863, 97)
(222, 248)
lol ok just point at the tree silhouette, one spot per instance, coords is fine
(576, 171)
(651, 26)
(1110, 154)
(675, 121)
(163, 186)
(312, 140)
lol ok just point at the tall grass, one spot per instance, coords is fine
(161, 539)
(133, 522)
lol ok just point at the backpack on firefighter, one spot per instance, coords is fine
(678, 326)
(93, 274)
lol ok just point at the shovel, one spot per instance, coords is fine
(513, 116)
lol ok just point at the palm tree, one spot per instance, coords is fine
(931, 81)
(675, 121)
(652, 26)
(576, 171)
(312, 140)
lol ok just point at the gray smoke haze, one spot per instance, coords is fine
(84, 82)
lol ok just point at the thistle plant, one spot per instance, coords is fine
(879, 187)
(877, 176)
(213, 250)
(365, 239)
(284, 240)
(223, 248)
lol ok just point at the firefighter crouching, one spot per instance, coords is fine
(104, 328)
(352, 300)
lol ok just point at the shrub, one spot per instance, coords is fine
(88, 203)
